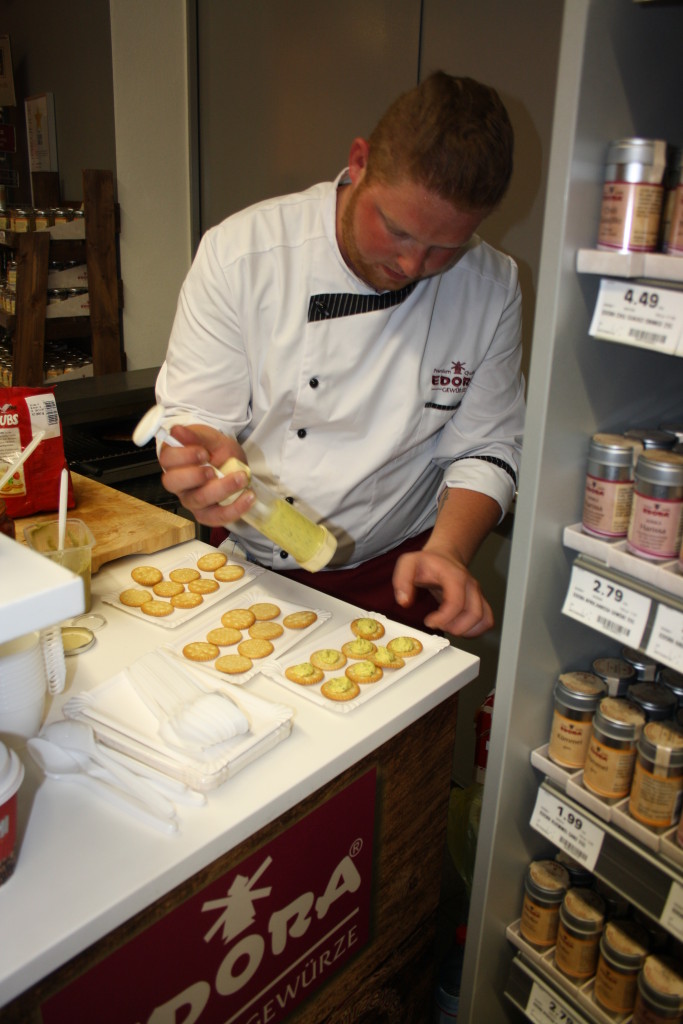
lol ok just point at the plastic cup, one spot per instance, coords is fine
(77, 552)
(11, 777)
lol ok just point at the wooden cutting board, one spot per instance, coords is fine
(121, 524)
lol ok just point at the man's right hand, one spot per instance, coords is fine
(188, 473)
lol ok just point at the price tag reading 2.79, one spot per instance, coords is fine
(544, 1007)
(645, 317)
(609, 607)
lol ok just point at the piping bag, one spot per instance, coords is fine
(310, 544)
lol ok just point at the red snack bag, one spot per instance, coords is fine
(34, 487)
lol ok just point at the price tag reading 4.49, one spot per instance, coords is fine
(544, 1007)
(567, 828)
(606, 606)
(635, 315)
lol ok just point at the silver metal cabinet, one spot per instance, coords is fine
(619, 75)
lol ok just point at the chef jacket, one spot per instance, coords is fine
(357, 407)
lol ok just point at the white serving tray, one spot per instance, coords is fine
(121, 720)
(167, 561)
(281, 645)
(431, 645)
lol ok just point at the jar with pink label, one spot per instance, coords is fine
(632, 195)
(608, 492)
(655, 529)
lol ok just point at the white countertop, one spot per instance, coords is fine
(84, 867)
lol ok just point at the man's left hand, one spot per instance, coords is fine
(463, 610)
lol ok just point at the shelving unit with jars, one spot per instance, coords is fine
(30, 327)
(619, 76)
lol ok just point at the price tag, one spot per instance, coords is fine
(666, 640)
(636, 315)
(567, 828)
(672, 915)
(606, 606)
(544, 1007)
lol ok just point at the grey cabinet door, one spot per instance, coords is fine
(285, 85)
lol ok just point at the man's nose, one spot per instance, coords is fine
(412, 260)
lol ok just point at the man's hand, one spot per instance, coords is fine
(187, 473)
(463, 609)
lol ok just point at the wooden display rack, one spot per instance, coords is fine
(99, 251)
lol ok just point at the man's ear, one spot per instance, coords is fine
(358, 159)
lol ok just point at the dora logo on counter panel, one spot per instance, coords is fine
(255, 943)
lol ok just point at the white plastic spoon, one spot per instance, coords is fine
(79, 736)
(58, 763)
(28, 450)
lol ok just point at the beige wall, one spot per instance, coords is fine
(149, 63)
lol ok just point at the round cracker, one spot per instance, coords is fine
(264, 610)
(405, 646)
(157, 608)
(304, 674)
(203, 586)
(255, 648)
(167, 588)
(299, 620)
(360, 648)
(340, 688)
(211, 561)
(147, 575)
(238, 618)
(186, 600)
(229, 573)
(200, 650)
(328, 659)
(224, 636)
(385, 658)
(369, 629)
(232, 664)
(134, 598)
(364, 672)
(184, 575)
(266, 630)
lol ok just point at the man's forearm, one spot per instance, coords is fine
(464, 520)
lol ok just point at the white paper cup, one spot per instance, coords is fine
(11, 777)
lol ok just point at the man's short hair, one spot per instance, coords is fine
(452, 135)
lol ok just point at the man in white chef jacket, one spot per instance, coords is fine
(359, 346)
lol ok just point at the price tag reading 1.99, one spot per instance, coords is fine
(610, 608)
(567, 828)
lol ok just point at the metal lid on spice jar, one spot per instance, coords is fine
(584, 910)
(625, 941)
(660, 982)
(636, 160)
(645, 667)
(674, 427)
(614, 449)
(674, 680)
(615, 672)
(652, 439)
(657, 701)
(579, 875)
(660, 467)
(619, 718)
(547, 879)
(579, 690)
(662, 742)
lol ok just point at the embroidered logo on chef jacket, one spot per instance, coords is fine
(453, 381)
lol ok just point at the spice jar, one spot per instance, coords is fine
(545, 884)
(652, 439)
(672, 211)
(659, 999)
(655, 529)
(616, 674)
(6, 522)
(674, 680)
(582, 916)
(632, 195)
(656, 700)
(616, 727)
(657, 787)
(645, 668)
(608, 494)
(579, 875)
(623, 948)
(576, 697)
